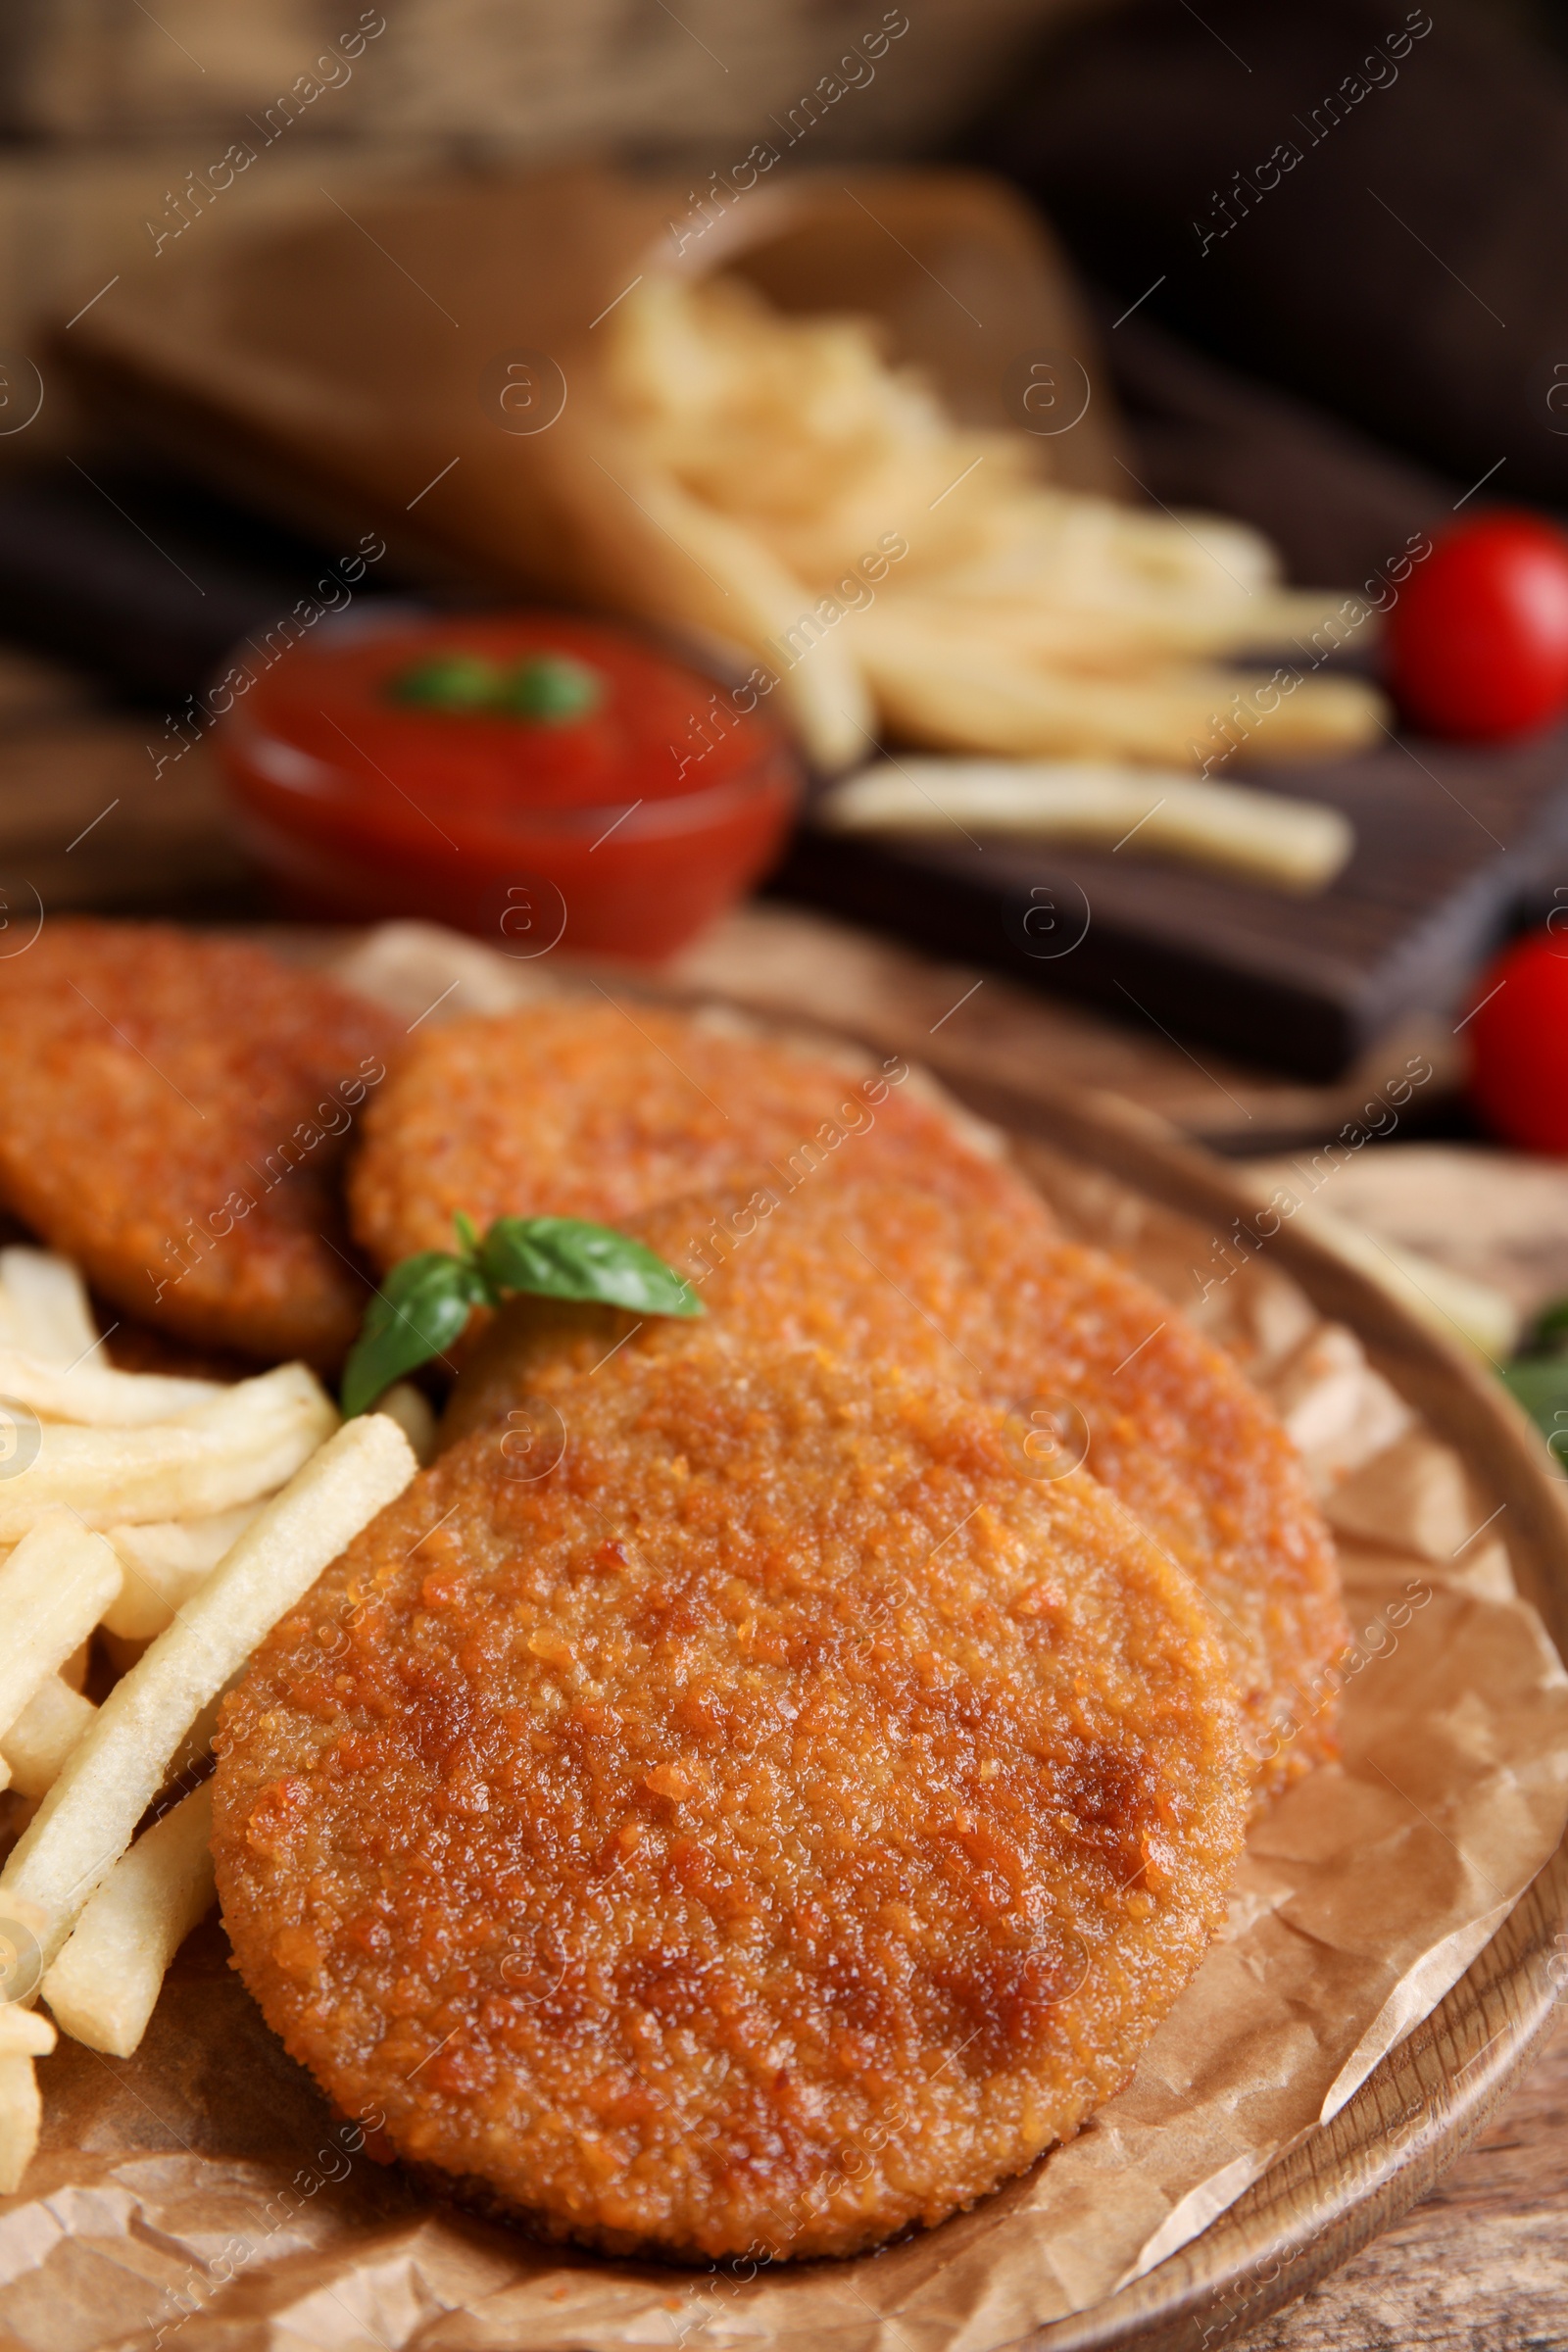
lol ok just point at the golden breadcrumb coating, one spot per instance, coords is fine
(172, 1115)
(993, 1300)
(772, 1826)
(585, 1109)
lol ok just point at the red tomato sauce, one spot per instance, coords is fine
(527, 776)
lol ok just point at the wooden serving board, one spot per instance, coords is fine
(1449, 840)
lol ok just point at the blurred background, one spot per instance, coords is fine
(1308, 268)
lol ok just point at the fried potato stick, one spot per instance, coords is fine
(968, 698)
(97, 1395)
(764, 607)
(35, 1747)
(44, 1307)
(1263, 837)
(90, 1816)
(54, 1588)
(23, 2036)
(165, 1563)
(248, 1441)
(105, 1985)
(20, 2120)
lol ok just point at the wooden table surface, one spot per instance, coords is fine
(1482, 2264)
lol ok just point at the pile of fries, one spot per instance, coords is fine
(904, 575)
(177, 1520)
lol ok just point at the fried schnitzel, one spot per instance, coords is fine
(996, 1301)
(772, 1826)
(581, 1107)
(172, 1115)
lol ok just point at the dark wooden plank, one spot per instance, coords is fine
(982, 1030)
(1447, 838)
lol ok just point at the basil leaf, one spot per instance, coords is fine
(1549, 1334)
(424, 1303)
(420, 1309)
(450, 682)
(565, 1257)
(1540, 1384)
(552, 689)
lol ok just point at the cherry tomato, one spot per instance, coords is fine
(1518, 1039)
(1476, 645)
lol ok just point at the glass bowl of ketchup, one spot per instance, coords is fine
(529, 776)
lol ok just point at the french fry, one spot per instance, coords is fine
(1102, 550)
(756, 410)
(1323, 719)
(165, 1562)
(751, 596)
(1109, 627)
(44, 1309)
(97, 1395)
(53, 1590)
(35, 1747)
(105, 1985)
(1027, 627)
(247, 1441)
(965, 699)
(21, 2121)
(783, 452)
(1297, 846)
(90, 1816)
(410, 1408)
(23, 2034)
(796, 426)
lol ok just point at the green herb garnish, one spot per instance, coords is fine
(548, 690)
(1537, 1376)
(425, 1302)
(451, 682)
(552, 689)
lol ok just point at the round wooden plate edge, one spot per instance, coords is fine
(1358, 2176)
(1422, 2105)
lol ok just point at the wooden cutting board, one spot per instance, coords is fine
(1451, 841)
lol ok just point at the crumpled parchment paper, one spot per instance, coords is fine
(202, 2192)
